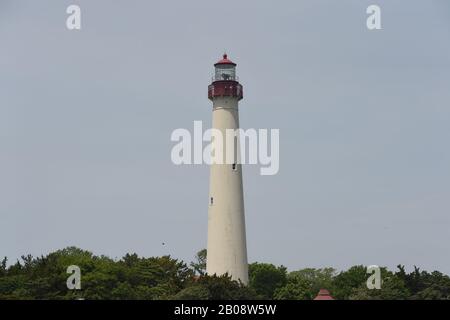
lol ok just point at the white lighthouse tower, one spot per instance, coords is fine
(227, 249)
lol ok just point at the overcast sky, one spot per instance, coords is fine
(364, 118)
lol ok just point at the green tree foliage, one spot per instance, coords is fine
(216, 288)
(199, 265)
(131, 277)
(134, 277)
(265, 278)
(392, 288)
(425, 286)
(305, 284)
(346, 281)
(3, 266)
(193, 292)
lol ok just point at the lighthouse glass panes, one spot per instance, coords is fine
(225, 72)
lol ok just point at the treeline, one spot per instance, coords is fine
(134, 277)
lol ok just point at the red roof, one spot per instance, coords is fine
(225, 60)
(324, 294)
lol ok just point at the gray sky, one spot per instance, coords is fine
(86, 118)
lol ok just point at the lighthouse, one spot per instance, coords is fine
(227, 248)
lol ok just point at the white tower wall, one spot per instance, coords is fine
(226, 249)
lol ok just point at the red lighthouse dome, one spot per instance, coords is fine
(225, 60)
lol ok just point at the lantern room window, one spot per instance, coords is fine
(225, 72)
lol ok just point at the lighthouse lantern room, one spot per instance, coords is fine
(225, 83)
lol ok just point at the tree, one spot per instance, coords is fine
(392, 288)
(414, 281)
(141, 278)
(305, 284)
(199, 265)
(347, 281)
(265, 278)
(219, 288)
(195, 292)
(425, 286)
(3, 268)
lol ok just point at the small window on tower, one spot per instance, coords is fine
(234, 167)
(211, 201)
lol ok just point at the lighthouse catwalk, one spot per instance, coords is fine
(226, 249)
